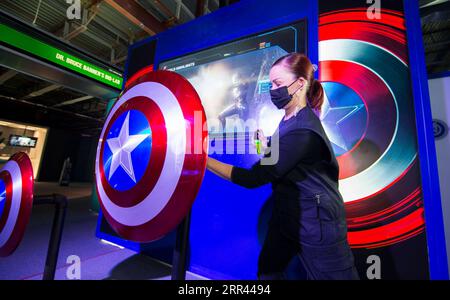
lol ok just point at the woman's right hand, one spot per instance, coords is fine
(259, 136)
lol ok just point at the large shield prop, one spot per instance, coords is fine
(151, 156)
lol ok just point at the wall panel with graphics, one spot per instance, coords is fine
(370, 118)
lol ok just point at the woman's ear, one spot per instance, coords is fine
(302, 82)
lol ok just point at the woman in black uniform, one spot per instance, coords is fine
(308, 218)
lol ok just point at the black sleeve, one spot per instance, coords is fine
(295, 146)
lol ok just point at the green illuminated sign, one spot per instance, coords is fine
(28, 44)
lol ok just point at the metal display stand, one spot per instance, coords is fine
(60, 203)
(180, 252)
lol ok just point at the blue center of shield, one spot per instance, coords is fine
(127, 150)
(2, 196)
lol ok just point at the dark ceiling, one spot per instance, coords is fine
(435, 17)
(108, 27)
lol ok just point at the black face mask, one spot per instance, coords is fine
(280, 97)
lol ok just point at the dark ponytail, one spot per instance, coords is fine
(315, 95)
(301, 66)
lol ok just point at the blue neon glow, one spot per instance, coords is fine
(2, 196)
(121, 179)
(427, 154)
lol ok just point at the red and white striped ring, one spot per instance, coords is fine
(17, 178)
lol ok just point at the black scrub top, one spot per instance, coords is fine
(308, 207)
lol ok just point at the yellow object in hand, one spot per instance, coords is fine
(258, 146)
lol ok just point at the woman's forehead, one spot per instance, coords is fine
(280, 72)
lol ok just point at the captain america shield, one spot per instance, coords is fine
(151, 156)
(16, 201)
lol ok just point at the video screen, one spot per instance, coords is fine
(232, 80)
(22, 141)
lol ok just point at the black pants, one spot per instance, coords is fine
(324, 262)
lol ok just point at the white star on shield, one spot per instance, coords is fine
(121, 148)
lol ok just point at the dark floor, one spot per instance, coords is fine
(99, 260)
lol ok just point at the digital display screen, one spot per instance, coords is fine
(22, 141)
(232, 80)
